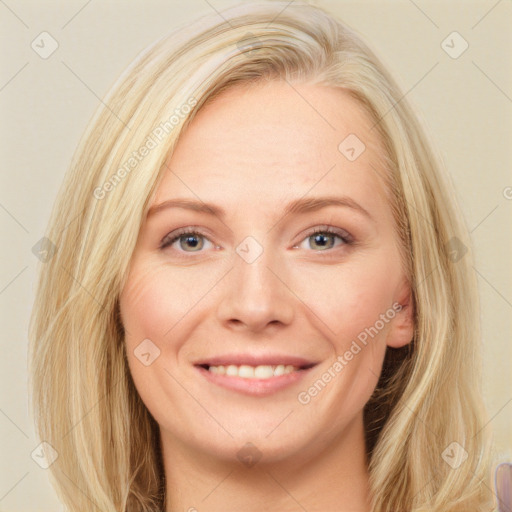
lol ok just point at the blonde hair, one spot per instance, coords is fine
(84, 400)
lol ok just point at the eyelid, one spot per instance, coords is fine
(172, 237)
(326, 228)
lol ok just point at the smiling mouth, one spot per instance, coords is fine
(245, 371)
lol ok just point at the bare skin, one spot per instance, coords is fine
(251, 152)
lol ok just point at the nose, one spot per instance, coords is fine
(255, 295)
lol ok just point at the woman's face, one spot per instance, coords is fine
(243, 326)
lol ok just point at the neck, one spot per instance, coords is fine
(333, 476)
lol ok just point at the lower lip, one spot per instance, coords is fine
(254, 387)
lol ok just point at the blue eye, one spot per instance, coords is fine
(325, 238)
(189, 240)
(186, 239)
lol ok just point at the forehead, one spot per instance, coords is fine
(264, 143)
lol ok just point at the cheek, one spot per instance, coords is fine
(156, 298)
(142, 304)
(354, 303)
(348, 299)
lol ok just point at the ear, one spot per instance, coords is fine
(402, 327)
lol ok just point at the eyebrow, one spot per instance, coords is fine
(297, 206)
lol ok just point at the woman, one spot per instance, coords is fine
(261, 297)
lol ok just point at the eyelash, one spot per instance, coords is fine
(344, 236)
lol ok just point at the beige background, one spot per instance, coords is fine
(45, 105)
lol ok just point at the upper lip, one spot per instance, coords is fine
(255, 360)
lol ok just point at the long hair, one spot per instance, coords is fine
(426, 411)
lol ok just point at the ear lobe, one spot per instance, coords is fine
(402, 329)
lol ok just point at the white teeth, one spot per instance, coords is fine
(232, 370)
(253, 372)
(279, 370)
(262, 372)
(246, 371)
